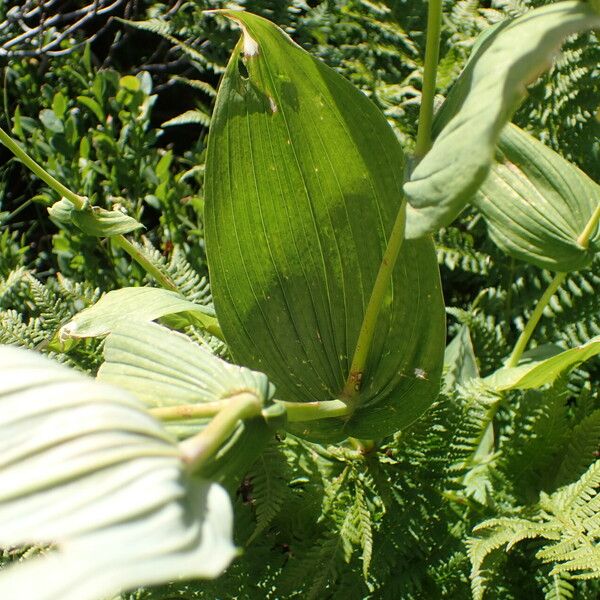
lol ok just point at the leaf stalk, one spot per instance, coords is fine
(129, 248)
(314, 411)
(432, 54)
(181, 412)
(583, 240)
(198, 449)
(536, 315)
(79, 202)
(367, 329)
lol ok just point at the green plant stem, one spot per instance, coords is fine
(367, 329)
(161, 278)
(211, 324)
(198, 449)
(313, 411)
(79, 202)
(584, 241)
(203, 410)
(432, 53)
(534, 319)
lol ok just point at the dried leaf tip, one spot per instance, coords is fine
(250, 48)
(250, 45)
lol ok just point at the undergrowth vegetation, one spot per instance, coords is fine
(494, 492)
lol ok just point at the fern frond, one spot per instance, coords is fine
(582, 449)
(14, 331)
(558, 588)
(456, 250)
(569, 522)
(189, 117)
(269, 476)
(498, 533)
(197, 84)
(10, 283)
(163, 29)
(363, 528)
(184, 277)
(533, 438)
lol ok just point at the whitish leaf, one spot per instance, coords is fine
(165, 368)
(303, 185)
(537, 204)
(142, 304)
(51, 121)
(481, 102)
(541, 366)
(86, 469)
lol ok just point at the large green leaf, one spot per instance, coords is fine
(541, 366)
(303, 185)
(85, 468)
(481, 102)
(536, 204)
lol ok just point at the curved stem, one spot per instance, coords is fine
(432, 53)
(583, 240)
(313, 411)
(161, 278)
(181, 412)
(198, 449)
(80, 202)
(367, 330)
(534, 319)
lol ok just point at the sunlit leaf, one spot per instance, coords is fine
(537, 204)
(86, 469)
(460, 363)
(542, 365)
(482, 101)
(303, 185)
(94, 220)
(141, 304)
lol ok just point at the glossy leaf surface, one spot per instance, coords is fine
(86, 469)
(303, 185)
(482, 101)
(536, 204)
